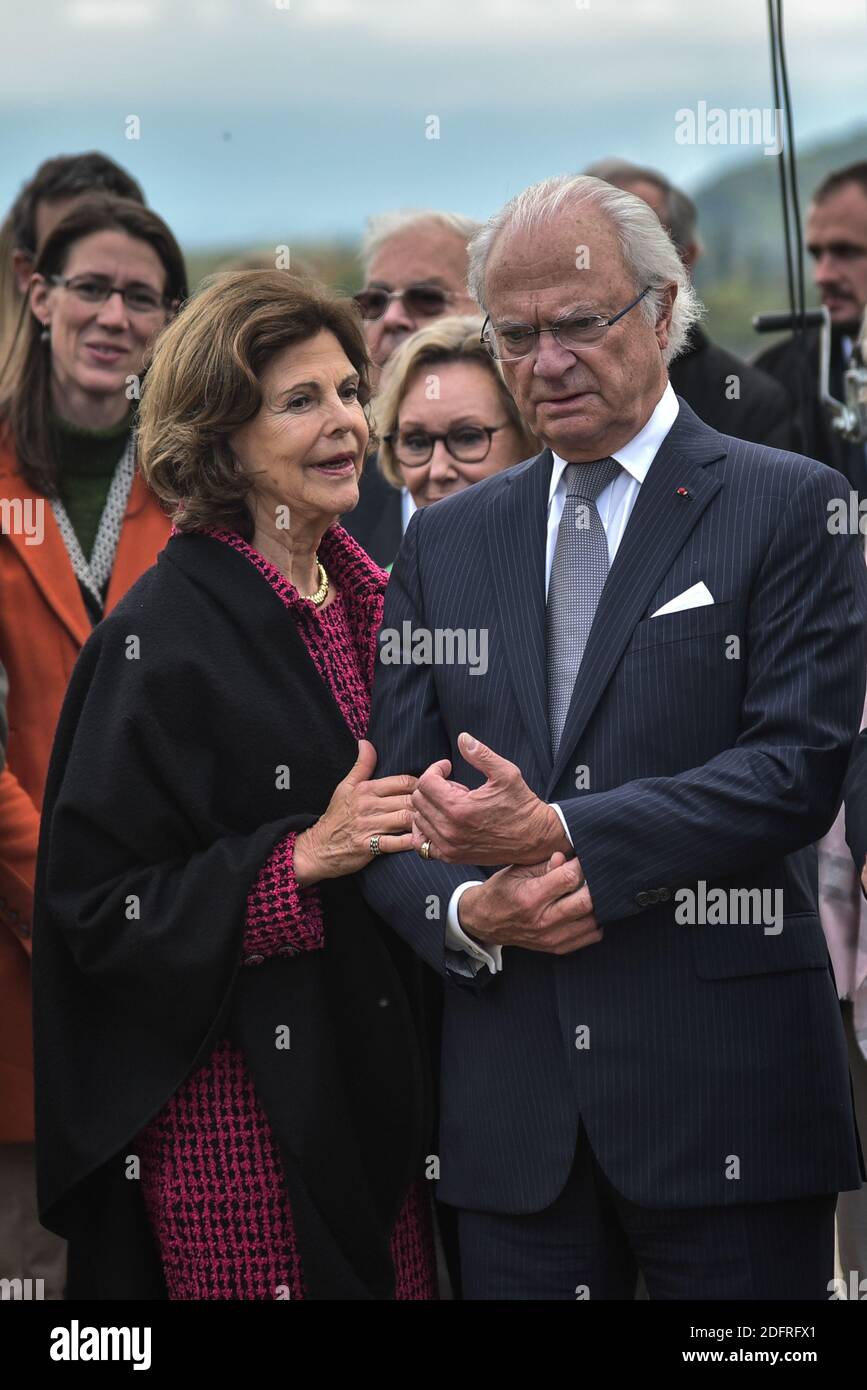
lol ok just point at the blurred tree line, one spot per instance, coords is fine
(741, 273)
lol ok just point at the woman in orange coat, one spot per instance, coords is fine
(77, 527)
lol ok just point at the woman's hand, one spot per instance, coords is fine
(339, 842)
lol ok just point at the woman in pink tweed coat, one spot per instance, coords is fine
(219, 1016)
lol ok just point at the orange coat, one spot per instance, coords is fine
(43, 626)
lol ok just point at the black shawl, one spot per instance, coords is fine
(163, 801)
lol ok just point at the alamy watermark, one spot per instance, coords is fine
(712, 125)
(847, 516)
(77, 1343)
(439, 646)
(22, 1290)
(855, 1290)
(23, 516)
(730, 907)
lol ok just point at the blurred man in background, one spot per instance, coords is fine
(725, 391)
(53, 191)
(836, 238)
(415, 271)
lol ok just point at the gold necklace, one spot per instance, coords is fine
(321, 593)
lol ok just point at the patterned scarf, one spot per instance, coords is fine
(94, 573)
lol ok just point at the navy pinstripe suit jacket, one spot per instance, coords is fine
(714, 1068)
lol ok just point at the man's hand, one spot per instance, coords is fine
(863, 870)
(502, 822)
(542, 907)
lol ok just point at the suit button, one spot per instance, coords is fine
(653, 895)
(13, 916)
(253, 960)
(24, 929)
(642, 899)
(664, 895)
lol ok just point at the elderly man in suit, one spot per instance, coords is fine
(643, 1063)
(704, 373)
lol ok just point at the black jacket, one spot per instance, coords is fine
(161, 805)
(855, 797)
(376, 522)
(796, 367)
(706, 1039)
(761, 413)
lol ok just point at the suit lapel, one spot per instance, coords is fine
(388, 533)
(516, 524)
(660, 522)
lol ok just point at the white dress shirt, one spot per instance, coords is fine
(614, 505)
(407, 507)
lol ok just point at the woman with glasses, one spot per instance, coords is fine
(78, 528)
(58, 185)
(445, 416)
(415, 271)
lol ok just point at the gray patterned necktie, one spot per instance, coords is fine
(577, 578)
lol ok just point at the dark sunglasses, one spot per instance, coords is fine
(420, 301)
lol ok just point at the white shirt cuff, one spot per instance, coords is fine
(555, 807)
(457, 940)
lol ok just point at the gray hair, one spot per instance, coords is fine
(648, 251)
(382, 226)
(681, 213)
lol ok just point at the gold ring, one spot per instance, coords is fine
(374, 845)
(425, 849)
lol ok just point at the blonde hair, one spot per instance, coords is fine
(452, 339)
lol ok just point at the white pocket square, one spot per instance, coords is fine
(696, 597)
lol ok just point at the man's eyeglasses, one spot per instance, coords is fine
(93, 289)
(420, 301)
(516, 340)
(466, 443)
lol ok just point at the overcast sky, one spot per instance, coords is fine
(264, 120)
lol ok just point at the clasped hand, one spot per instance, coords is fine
(540, 900)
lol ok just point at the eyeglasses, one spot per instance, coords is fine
(420, 301)
(517, 340)
(94, 289)
(466, 443)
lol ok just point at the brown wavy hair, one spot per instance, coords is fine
(73, 176)
(203, 383)
(26, 416)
